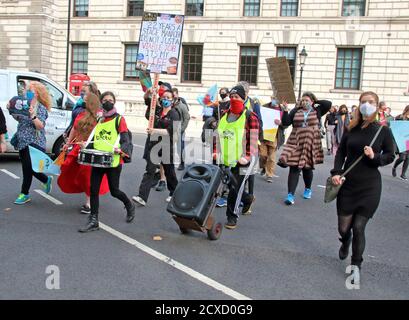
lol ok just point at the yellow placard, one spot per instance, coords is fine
(270, 134)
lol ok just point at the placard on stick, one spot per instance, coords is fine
(280, 78)
(159, 42)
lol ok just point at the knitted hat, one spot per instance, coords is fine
(238, 90)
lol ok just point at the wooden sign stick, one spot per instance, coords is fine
(154, 100)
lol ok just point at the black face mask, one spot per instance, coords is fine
(107, 106)
(223, 95)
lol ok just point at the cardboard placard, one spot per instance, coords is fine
(280, 78)
(160, 40)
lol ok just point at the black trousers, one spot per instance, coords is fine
(294, 175)
(149, 178)
(403, 157)
(234, 187)
(113, 176)
(28, 172)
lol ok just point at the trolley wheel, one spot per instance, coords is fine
(215, 232)
(184, 230)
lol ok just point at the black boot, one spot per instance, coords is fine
(92, 224)
(344, 250)
(130, 212)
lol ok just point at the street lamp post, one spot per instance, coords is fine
(303, 56)
(68, 44)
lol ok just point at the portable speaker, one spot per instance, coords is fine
(195, 192)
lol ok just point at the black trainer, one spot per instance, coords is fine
(161, 186)
(247, 206)
(92, 225)
(344, 250)
(403, 177)
(231, 223)
(85, 209)
(130, 212)
(394, 172)
(181, 166)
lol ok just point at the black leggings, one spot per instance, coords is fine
(28, 172)
(294, 175)
(113, 175)
(403, 157)
(356, 224)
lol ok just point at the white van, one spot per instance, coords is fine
(58, 119)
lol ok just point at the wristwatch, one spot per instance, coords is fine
(33, 118)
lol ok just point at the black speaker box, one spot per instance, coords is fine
(196, 192)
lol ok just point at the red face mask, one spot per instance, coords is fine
(161, 91)
(236, 106)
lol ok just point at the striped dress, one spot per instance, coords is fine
(304, 147)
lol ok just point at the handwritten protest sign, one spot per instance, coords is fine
(159, 42)
(269, 126)
(280, 78)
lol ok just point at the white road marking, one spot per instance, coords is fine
(177, 265)
(48, 197)
(138, 146)
(10, 174)
(320, 186)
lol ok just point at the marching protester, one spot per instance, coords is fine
(219, 108)
(181, 106)
(403, 156)
(342, 121)
(254, 106)
(237, 124)
(383, 116)
(74, 177)
(31, 132)
(330, 124)
(268, 149)
(360, 194)
(3, 132)
(166, 117)
(303, 150)
(88, 87)
(110, 135)
(163, 86)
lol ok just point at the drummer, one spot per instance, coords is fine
(109, 130)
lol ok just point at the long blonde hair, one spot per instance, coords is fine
(357, 119)
(42, 94)
(89, 120)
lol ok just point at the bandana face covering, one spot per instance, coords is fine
(236, 106)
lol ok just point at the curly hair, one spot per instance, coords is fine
(89, 120)
(42, 94)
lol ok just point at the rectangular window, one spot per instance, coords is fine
(194, 8)
(135, 8)
(251, 8)
(131, 53)
(348, 74)
(248, 65)
(291, 54)
(81, 8)
(353, 8)
(192, 63)
(289, 8)
(79, 63)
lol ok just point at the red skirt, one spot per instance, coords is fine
(76, 178)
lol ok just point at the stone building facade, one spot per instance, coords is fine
(347, 54)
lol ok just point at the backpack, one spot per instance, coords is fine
(129, 149)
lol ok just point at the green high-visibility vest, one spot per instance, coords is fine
(231, 139)
(105, 138)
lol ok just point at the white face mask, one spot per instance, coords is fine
(367, 109)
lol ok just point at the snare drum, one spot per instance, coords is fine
(95, 158)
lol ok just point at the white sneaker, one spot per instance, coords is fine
(139, 201)
(168, 199)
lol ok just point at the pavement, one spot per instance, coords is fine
(278, 252)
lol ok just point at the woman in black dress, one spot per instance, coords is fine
(360, 194)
